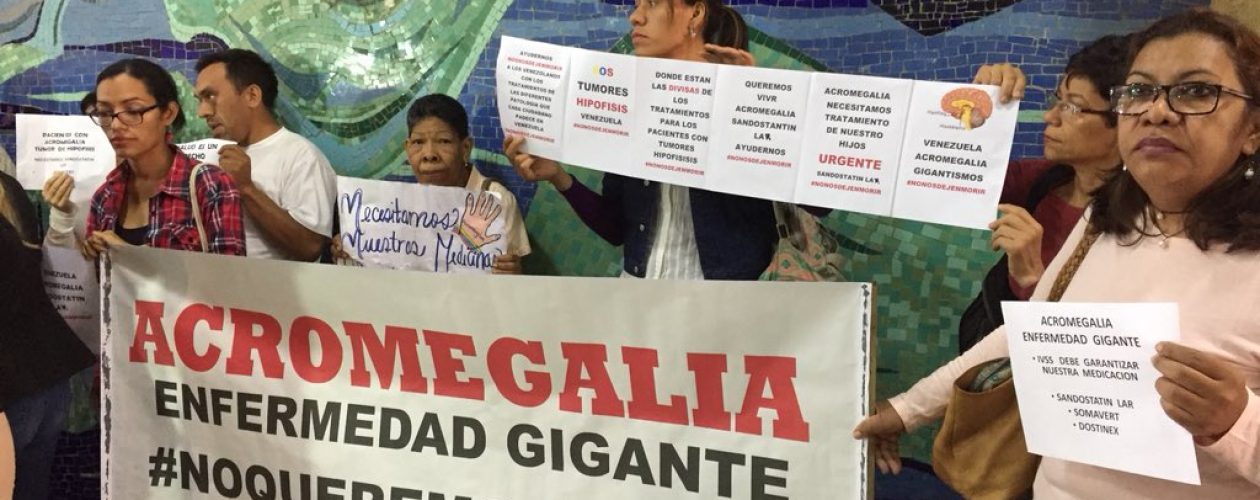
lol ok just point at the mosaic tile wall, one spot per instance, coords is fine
(349, 69)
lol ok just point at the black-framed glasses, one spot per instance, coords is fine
(1189, 98)
(128, 117)
(1055, 101)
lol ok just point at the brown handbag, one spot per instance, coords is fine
(980, 450)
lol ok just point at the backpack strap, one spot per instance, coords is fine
(196, 205)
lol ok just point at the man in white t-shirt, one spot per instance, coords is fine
(287, 184)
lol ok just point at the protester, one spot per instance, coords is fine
(439, 151)
(286, 183)
(39, 354)
(1180, 224)
(1042, 200)
(147, 199)
(671, 231)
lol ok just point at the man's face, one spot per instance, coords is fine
(221, 105)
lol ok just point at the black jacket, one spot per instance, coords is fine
(37, 348)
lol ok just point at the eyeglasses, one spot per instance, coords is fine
(1189, 98)
(1054, 101)
(128, 117)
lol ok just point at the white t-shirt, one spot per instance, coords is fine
(298, 178)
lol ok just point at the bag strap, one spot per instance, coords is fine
(196, 204)
(780, 219)
(1073, 263)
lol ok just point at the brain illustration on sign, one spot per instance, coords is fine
(971, 106)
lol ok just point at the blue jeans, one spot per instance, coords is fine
(36, 422)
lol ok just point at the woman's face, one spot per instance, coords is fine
(1079, 138)
(1174, 156)
(436, 153)
(660, 28)
(128, 95)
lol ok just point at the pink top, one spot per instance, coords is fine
(1217, 294)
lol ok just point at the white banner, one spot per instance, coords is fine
(899, 148)
(230, 377)
(402, 225)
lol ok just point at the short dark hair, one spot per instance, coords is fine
(245, 68)
(1226, 211)
(88, 102)
(156, 80)
(442, 107)
(1103, 63)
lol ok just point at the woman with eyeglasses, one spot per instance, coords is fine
(1180, 224)
(1042, 200)
(157, 196)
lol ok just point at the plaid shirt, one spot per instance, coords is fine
(171, 222)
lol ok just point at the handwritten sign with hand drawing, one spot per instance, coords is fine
(419, 227)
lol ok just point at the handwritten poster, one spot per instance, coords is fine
(1086, 386)
(414, 226)
(205, 150)
(853, 145)
(954, 158)
(762, 118)
(599, 119)
(533, 79)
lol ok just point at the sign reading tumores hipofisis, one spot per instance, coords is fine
(244, 378)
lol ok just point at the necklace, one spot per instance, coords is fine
(1163, 236)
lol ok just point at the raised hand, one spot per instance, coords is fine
(1018, 234)
(533, 168)
(1005, 75)
(234, 161)
(718, 54)
(57, 191)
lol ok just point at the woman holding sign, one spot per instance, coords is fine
(1180, 224)
(1042, 200)
(670, 231)
(39, 353)
(157, 196)
(439, 151)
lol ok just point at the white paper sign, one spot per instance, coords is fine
(1086, 386)
(70, 281)
(47, 144)
(761, 113)
(927, 151)
(533, 78)
(205, 150)
(414, 226)
(852, 143)
(957, 146)
(671, 141)
(599, 118)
